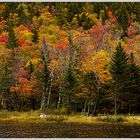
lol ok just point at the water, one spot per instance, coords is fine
(71, 130)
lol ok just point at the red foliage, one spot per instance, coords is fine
(23, 73)
(60, 46)
(21, 41)
(3, 39)
(97, 32)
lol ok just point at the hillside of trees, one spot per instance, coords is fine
(77, 57)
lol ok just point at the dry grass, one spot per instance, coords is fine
(34, 116)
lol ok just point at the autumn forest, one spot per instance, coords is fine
(70, 58)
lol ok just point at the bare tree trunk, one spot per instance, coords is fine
(42, 107)
(98, 93)
(3, 104)
(42, 101)
(88, 108)
(96, 102)
(115, 105)
(85, 106)
(49, 96)
(68, 104)
(50, 88)
(59, 99)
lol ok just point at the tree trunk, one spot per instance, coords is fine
(115, 105)
(96, 103)
(50, 88)
(88, 108)
(68, 104)
(42, 107)
(3, 104)
(75, 107)
(85, 106)
(49, 96)
(95, 108)
(59, 99)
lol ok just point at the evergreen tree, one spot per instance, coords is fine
(69, 85)
(132, 86)
(5, 81)
(12, 40)
(35, 36)
(70, 79)
(21, 15)
(31, 68)
(119, 72)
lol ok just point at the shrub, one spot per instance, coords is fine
(111, 119)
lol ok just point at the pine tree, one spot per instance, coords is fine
(12, 40)
(119, 72)
(31, 68)
(5, 80)
(69, 85)
(21, 15)
(133, 84)
(35, 36)
(70, 79)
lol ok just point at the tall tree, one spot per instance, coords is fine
(133, 85)
(92, 84)
(70, 76)
(45, 73)
(22, 16)
(12, 40)
(119, 72)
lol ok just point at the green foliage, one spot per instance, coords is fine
(9, 8)
(85, 22)
(30, 68)
(132, 86)
(133, 83)
(119, 68)
(112, 119)
(21, 15)
(35, 37)
(12, 40)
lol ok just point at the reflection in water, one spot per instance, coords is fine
(71, 130)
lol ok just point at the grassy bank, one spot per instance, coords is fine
(34, 116)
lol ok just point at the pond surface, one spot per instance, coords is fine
(67, 130)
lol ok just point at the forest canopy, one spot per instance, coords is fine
(74, 57)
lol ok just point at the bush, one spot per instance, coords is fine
(111, 119)
(61, 111)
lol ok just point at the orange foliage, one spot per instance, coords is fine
(112, 18)
(3, 38)
(61, 44)
(21, 41)
(131, 30)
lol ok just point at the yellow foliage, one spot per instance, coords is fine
(99, 63)
(34, 61)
